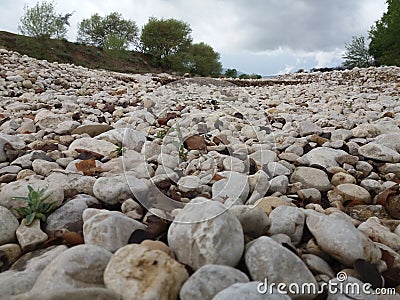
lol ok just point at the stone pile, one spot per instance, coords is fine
(197, 188)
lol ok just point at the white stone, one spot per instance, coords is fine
(30, 236)
(8, 226)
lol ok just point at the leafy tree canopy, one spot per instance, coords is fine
(231, 73)
(42, 20)
(111, 32)
(203, 60)
(166, 40)
(385, 36)
(356, 54)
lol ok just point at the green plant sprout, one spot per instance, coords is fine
(183, 153)
(120, 150)
(162, 133)
(37, 208)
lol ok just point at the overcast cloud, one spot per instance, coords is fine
(258, 36)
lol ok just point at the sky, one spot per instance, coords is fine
(266, 37)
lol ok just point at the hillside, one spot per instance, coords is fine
(64, 51)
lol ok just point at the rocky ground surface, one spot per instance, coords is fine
(200, 188)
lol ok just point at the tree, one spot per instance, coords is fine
(203, 60)
(356, 54)
(385, 36)
(111, 32)
(231, 73)
(166, 40)
(42, 20)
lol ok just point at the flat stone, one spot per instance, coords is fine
(311, 178)
(239, 291)
(81, 266)
(24, 272)
(267, 204)
(43, 167)
(216, 235)
(352, 192)
(126, 137)
(30, 237)
(262, 157)
(279, 184)
(12, 252)
(92, 129)
(90, 144)
(189, 184)
(266, 258)
(71, 293)
(156, 274)
(322, 156)
(377, 232)
(108, 229)
(69, 215)
(340, 239)
(307, 128)
(233, 189)
(341, 178)
(379, 152)
(207, 281)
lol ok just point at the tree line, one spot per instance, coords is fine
(167, 41)
(384, 42)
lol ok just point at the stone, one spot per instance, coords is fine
(379, 152)
(254, 221)
(27, 84)
(69, 215)
(322, 156)
(233, 164)
(168, 161)
(188, 184)
(341, 178)
(340, 239)
(310, 195)
(132, 209)
(233, 189)
(377, 232)
(8, 226)
(157, 245)
(287, 220)
(266, 258)
(116, 189)
(250, 290)
(390, 140)
(274, 169)
(311, 178)
(23, 274)
(81, 266)
(14, 142)
(46, 119)
(94, 145)
(156, 274)
(308, 128)
(352, 192)
(279, 184)
(92, 129)
(108, 229)
(216, 235)
(43, 167)
(12, 252)
(126, 137)
(30, 236)
(207, 281)
(79, 293)
(262, 157)
(351, 293)
(317, 265)
(267, 204)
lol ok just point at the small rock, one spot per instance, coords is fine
(379, 152)
(27, 84)
(352, 192)
(239, 291)
(266, 258)
(233, 189)
(318, 265)
(279, 184)
(254, 221)
(311, 178)
(287, 220)
(339, 238)
(43, 167)
(216, 235)
(156, 274)
(307, 128)
(377, 232)
(207, 281)
(262, 157)
(157, 245)
(108, 229)
(8, 226)
(233, 164)
(322, 156)
(12, 252)
(132, 209)
(25, 271)
(310, 195)
(267, 204)
(90, 144)
(29, 237)
(92, 129)
(188, 184)
(341, 178)
(81, 266)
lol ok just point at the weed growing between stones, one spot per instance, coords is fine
(37, 208)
